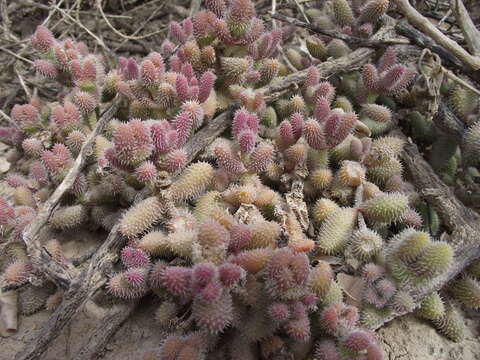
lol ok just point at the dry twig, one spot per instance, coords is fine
(352, 40)
(470, 32)
(18, 56)
(62, 275)
(418, 38)
(98, 40)
(422, 23)
(123, 36)
(195, 6)
(8, 119)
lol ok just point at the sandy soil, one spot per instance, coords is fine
(406, 338)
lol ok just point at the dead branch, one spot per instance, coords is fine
(194, 6)
(446, 120)
(355, 60)
(106, 327)
(460, 81)
(8, 119)
(207, 135)
(99, 6)
(81, 288)
(97, 39)
(418, 38)
(470, 32)
(178, 10)
(5, 19)
(352, 40)
(452, 126)
(458, 218)
(9, 309)
(58, 272)
(422, 23)
(352, 61)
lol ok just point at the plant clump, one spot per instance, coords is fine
(240, 244)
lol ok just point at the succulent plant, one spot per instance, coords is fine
(234, 242)
(432, 307)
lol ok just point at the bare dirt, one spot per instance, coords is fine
(406, 338)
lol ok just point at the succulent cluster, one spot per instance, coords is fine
(357, 18)
(452, 150)
(236, 245)
(387, 77)
(234, 223)
(446, 154)
(463, 152)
